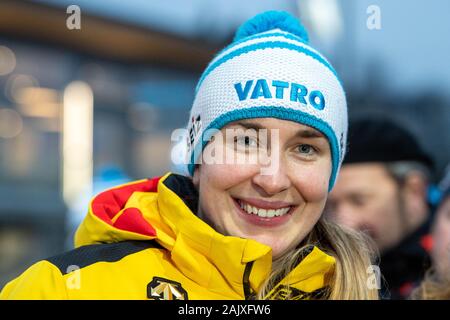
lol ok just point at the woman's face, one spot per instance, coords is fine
(276, 204)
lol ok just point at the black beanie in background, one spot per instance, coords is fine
(382, 140)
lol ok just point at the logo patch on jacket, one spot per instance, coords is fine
(282, 292)
(165, 289)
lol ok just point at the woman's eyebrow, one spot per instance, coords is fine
(303, 133)
(309, 133)
(250, 125)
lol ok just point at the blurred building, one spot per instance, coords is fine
(141, 82)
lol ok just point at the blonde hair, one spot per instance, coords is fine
(353, 251)
(433, 287)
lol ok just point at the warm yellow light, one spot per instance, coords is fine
(7, 60)
(41, 109)
(17, 82)
(38, 102)
(11, 123)
(77, 141)
(32, 95)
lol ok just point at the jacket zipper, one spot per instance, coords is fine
(248, 294)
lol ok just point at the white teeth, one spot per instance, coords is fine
(270, 213)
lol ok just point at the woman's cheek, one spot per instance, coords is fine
(312, 183)
(226, 176)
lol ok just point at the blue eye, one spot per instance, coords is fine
(305, 149)
(246, 141)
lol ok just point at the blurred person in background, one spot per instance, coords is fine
(436, 285)
(382, 190)
(229, 230)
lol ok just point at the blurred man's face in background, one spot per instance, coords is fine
(367, 198)
(441, 238)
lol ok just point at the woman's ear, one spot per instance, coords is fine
(415, 184)
(196, 176)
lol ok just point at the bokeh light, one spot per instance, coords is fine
(7, 60)
(11, 123)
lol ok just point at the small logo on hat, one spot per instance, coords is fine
(195, 126)
(165, 289)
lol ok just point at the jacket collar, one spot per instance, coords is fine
(213, 260)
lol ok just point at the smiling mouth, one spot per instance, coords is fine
(263, 212)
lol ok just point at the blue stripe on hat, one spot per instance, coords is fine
(265, 35)
(261, 46)
(273, 112)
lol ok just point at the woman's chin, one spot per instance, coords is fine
(277, 248)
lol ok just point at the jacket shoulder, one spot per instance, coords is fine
(47, 278)
(40, 281)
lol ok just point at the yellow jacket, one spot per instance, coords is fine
(142, 240)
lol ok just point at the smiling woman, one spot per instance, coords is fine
(230, 230)
(276, 209)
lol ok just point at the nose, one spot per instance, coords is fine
(274, 182)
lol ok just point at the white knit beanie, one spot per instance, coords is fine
(270, 71)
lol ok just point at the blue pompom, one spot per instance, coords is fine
(270, 20)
